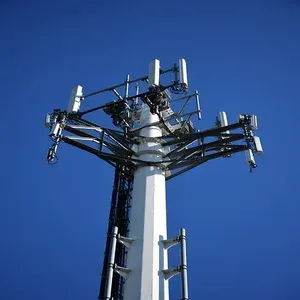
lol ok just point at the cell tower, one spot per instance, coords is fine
(154, 139)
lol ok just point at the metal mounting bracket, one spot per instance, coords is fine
(124, 272)
(169, 273)
(125, 241)
(171, 242)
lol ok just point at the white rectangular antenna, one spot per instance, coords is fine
(55, 130)
(250, 157)
(258, 146)
(241, 118)
(75, 99)
(154, 72)
(253, 122)
(48, 120)
(183, 73)
(223, 120)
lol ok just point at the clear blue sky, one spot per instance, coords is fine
(243, 229)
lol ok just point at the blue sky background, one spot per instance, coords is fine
(243, 229)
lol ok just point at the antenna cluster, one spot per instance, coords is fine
(185, 146)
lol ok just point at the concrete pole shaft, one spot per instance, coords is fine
(147, 256)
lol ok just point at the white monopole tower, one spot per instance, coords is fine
(154, 140)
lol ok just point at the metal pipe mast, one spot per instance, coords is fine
(157, 141)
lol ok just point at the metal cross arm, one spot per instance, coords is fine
(190, 150)
(87, 136)
(182, 152)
